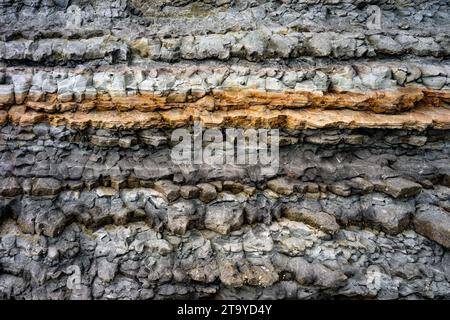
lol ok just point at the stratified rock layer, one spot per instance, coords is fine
(92, 206)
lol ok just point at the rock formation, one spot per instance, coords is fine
(92, 205)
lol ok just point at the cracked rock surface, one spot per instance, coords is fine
(92, 206)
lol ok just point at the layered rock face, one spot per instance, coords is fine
(93, 205)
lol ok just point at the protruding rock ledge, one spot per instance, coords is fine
(256, 117)
(381, 88)
(379, 101)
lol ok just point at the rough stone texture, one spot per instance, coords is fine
(318, 219)
(433, 222)
(93, 207)
(57, 179)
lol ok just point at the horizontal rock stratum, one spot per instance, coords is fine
(351, 96)
(91, 93)
(382, 88)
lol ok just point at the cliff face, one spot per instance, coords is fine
(93, 205)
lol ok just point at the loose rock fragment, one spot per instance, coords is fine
(46, 187)
(168, 189)
(434, 223)
(208, 192)
(401, 188)
(318, 219)
(224, 217)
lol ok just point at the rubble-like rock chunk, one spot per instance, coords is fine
(434, 223)
(179, 215)
(6, 94)
(168, 189)
(189, 192)
(46, 187)
(281, 186)
(10, 187)
(208, 192)
(318, 219)
(401, 188)
(392, 216)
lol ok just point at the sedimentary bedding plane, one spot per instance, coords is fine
(93, 205)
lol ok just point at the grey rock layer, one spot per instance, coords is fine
(106, 214)
(337, 220)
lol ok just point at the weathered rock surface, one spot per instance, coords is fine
(368, 87)
(92, 206)
(57, 179)
(433, 222)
